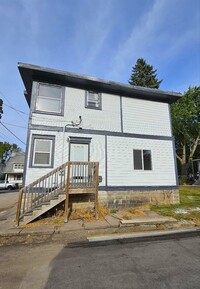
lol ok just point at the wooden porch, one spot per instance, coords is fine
(55, 187)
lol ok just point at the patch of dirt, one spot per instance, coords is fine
(130, 213)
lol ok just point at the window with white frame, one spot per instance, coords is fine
(142, 160)
(49, 99)
(18, 166)
(42, 151)
(93, 100)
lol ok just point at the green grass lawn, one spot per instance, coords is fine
(188, 209)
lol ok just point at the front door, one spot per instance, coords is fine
(79, 172)
(79, 152)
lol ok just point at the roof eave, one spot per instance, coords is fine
(30, 73)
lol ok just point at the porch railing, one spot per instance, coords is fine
(82, 175)
(70, 175)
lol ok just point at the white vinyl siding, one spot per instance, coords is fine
(145, 117)
(108, 118)
(120, 162)
(61, 151)
(49, 98)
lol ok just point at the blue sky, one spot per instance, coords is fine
(102, 38)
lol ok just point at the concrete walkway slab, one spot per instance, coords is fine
(45, 229)
(74, 225)
(112, 221)
(96, 225)
(146, 220)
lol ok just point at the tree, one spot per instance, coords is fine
(186, 128)
(144, 75)
(6, 150)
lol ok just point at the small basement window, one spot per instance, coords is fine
(49, 99)
(93, 100)
(142, 160)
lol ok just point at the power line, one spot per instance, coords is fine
(5, 136)
(14, 125)
(12, 133)
(17, 110)
(2, 94)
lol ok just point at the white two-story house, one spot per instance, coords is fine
(127, 129)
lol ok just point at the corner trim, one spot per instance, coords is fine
(121, 114)
(106, 161)
(175, 162)
(170, 120)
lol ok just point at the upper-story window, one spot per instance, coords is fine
(50, 99)
(93, 100)
(18, 166)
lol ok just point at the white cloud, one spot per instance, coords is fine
(154, 38)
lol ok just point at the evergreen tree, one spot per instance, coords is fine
(144, 75)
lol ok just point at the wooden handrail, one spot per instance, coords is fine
(68, 175)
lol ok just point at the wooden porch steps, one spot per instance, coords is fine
(43, 209)
(55, 187)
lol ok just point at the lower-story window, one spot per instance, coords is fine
(42, 151)
(142, 160)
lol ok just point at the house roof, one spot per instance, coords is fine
(18, 158)
(30, 73)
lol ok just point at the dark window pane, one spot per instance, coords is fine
(137, 158)
(147, 159)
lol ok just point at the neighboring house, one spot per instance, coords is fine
(127, 129)
(14, 168)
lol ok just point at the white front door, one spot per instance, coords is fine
(79, 152)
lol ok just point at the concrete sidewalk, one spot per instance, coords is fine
(79, 230)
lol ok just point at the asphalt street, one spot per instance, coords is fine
(8, 199)
(173, 263)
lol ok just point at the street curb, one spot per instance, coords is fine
(152, 234)
(85, 236)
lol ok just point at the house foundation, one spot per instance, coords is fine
(126, 199)
(120, 199)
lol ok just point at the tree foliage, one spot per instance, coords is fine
(186, 127)
(144, 75)
(6, 150)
